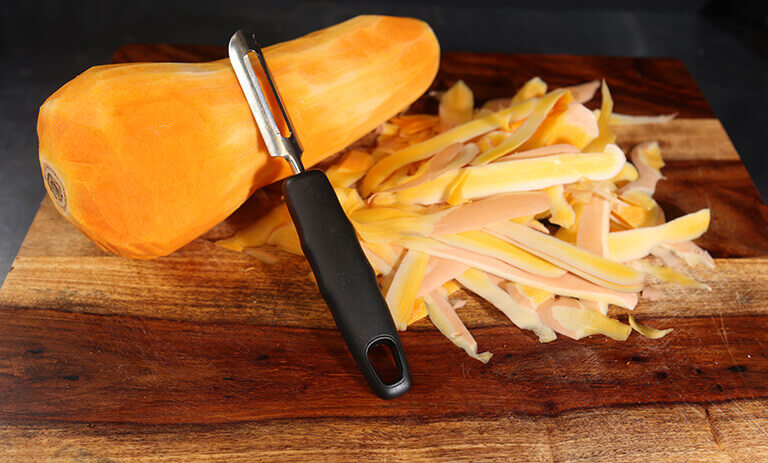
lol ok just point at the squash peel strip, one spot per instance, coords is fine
(592, 235)
(647, 331)
(606, 135)
(479, 283)
(483, 243)
(519, 175)
(572, 258)
(444, 317)
(634, 244)
(401, 294)
(583, 322)
(456, 106)
(533, 88)
(584, 92)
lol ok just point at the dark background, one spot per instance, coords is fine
(43, 44)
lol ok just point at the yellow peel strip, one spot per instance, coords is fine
(587, 265)
(491, 246)
(670, 275)
(520, 175)
(647, 331)
(444, 317)
(629, 245)
(258, 233)
(562, 212)
(456, 106)
(533, 88)
(401, 294)
(626, 119)
(477, 282)
(606, 135)
(578, 322)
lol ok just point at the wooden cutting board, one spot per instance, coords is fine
(210, 355)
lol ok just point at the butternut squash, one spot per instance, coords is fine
(143, 158)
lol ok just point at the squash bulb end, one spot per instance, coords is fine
(55, 187)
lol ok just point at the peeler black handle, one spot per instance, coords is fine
(345, 278)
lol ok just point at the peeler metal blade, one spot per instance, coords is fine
(240, 45)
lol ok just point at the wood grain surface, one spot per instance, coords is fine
(209, 355)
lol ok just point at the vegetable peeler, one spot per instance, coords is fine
(345, 278)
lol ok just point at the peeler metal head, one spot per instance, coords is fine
(278, 145)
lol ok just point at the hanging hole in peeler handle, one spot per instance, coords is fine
(387, 371)
(382, 357)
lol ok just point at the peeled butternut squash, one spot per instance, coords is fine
(143, 158)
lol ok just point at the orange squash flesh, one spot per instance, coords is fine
(143, 158)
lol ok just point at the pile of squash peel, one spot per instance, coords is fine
(526, 202)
